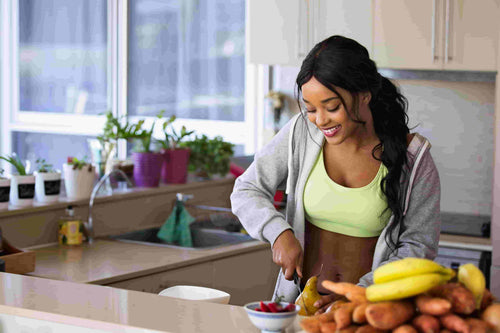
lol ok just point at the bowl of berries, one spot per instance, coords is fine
(271, 316)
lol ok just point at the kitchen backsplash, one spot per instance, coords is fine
(457, 117)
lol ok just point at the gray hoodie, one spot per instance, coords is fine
(285, 163)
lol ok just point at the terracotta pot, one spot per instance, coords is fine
(175, 166)
(147, 169)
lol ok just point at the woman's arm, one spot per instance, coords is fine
(419, 232)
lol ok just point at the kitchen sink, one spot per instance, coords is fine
(202, 234)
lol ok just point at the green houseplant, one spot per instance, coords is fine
(47, 182)
(209, 156)
(176, 158)
(22, 184)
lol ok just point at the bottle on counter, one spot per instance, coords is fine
(70, 228)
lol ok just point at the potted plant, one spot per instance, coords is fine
(22, 184)
(115, 128)
(176, 158)
(79, 177)
(147, 163)
(209, 156)
(47, 182)
(4, 190)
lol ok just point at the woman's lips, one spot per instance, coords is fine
(329, 132)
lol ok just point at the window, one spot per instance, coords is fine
(65, 62)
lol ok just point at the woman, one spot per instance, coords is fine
(362, 190)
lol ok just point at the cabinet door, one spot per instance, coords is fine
(405, 34)
(352, 18)
(275, 32)
(472, 34)
(197, 275)
(247, 277)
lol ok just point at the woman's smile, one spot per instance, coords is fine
(330, 132)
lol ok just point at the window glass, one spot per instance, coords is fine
(63, 56)
(187, 57)
(54, 148)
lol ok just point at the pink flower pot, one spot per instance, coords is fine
(175, 166)
(147, 169)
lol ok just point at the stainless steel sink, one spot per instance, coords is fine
(202, 237)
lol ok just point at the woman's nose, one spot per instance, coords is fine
(321, 118)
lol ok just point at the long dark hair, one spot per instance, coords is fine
(342, 62)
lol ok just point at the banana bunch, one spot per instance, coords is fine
(405, 278)
(473, 279)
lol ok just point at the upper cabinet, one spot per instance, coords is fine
(436, 34)
(283, 31)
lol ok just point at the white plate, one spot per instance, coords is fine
(196, 293)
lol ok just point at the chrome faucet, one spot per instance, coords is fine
(90, 223)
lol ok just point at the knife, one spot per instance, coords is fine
(296, 282)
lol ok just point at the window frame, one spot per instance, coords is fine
(12, 119)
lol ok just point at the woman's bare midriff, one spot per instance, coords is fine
(344, 258)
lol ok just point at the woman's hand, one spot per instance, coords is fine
(288, 254)
(325, 302)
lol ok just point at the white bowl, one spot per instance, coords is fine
(270, 321)
(196, 293)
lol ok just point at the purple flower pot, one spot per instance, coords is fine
(175, 166)
(147, 169)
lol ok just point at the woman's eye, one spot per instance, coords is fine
(310, 111)
(334, 109)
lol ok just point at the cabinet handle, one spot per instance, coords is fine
(301, 43)
(447, 56)
(433, 37)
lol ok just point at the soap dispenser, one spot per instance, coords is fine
(70, 228)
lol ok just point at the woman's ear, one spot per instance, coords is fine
(366, 97)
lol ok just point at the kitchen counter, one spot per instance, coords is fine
(116, 310)
(466, 242)
(107, 261)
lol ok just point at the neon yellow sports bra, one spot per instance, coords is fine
(349, 211)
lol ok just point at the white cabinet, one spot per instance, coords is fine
(436, 34)
(282, 32)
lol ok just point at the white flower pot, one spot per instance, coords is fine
(47, 186)
(22, 190)
(4, 193)
(78, 182)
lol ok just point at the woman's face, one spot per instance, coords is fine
(325, 110)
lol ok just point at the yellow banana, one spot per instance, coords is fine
(409, 267)
(405, 287)
(473, 279)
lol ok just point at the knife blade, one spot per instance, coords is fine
(297, 284)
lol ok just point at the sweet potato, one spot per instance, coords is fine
(454, 323)
(461, 299)
(329, 327)
(343, 315)
(491, 315)
(335, 305)
(348, 329)
(358, 315)
(435, 306)
(326, 317)
(445, 330)
(406, 328)
(310, 324)
(425, 323)
(487, 300)
(477, 325)
(389, 315)
(368, 329)
(343, 288)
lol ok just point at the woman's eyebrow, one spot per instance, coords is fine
(323, 101)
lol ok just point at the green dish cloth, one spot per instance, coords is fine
(176, 229)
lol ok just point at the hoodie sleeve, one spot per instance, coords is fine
(419, 232)
(253, 193)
